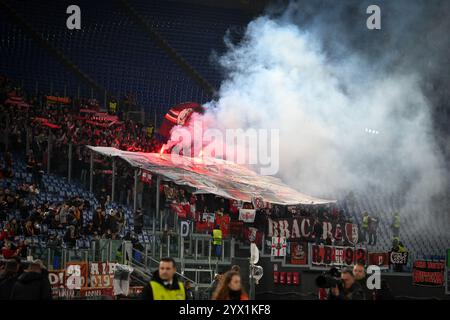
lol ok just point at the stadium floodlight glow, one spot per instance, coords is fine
(371, 131)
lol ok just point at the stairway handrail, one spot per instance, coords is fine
(155, 260)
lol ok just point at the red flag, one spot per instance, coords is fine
(179, 209)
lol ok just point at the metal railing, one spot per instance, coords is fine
(144, 268)
(193, 255)
(196, 248)
(57, 257)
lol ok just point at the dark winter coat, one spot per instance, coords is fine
(7, 281)
(32, 286)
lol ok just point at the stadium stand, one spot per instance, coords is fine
(121, 58)
(195, 31)
(42, 72)
(424, 234)
(125, 52)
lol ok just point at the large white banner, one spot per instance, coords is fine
(216, 176)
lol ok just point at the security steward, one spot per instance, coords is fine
(396, 225)
(365, 226)
(217, 241)
(164, 284)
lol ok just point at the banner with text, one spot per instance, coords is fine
(76, 275)
(247, 215)
(399, 258)
(301, 229)
(102, 274)
(337, 256)
(428, 273)
(447, 274)
(57, 279)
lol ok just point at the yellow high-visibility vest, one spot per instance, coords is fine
(365, 222)
(113, 106)
(217, 237)
(162, 293)
(149, 131)
(396, 222)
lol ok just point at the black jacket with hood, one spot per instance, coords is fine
(32, 286)
(7, 281)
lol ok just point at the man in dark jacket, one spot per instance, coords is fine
(164, 284)
(189, 292)
(373, 226)
(359, 272)
(7, 279)
(33, 284)
(98, 220)
(351, 289)
(318, 231)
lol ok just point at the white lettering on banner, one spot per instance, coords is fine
(74, 278)
(303, 227)
(102, 268)
(336, 255)
(339, 255)
(298, 228)
(327, 227)
(54, 279)
(102, 274)
(94, 268)
(295, 230)
(399, 257)
(284, 229)
(273, 228)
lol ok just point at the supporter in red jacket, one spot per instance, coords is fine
(8, 251)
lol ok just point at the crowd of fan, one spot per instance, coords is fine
(70, 127)
(54, 223)
(24, 280)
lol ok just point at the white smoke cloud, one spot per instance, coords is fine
(326, 106)
(280, 77)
